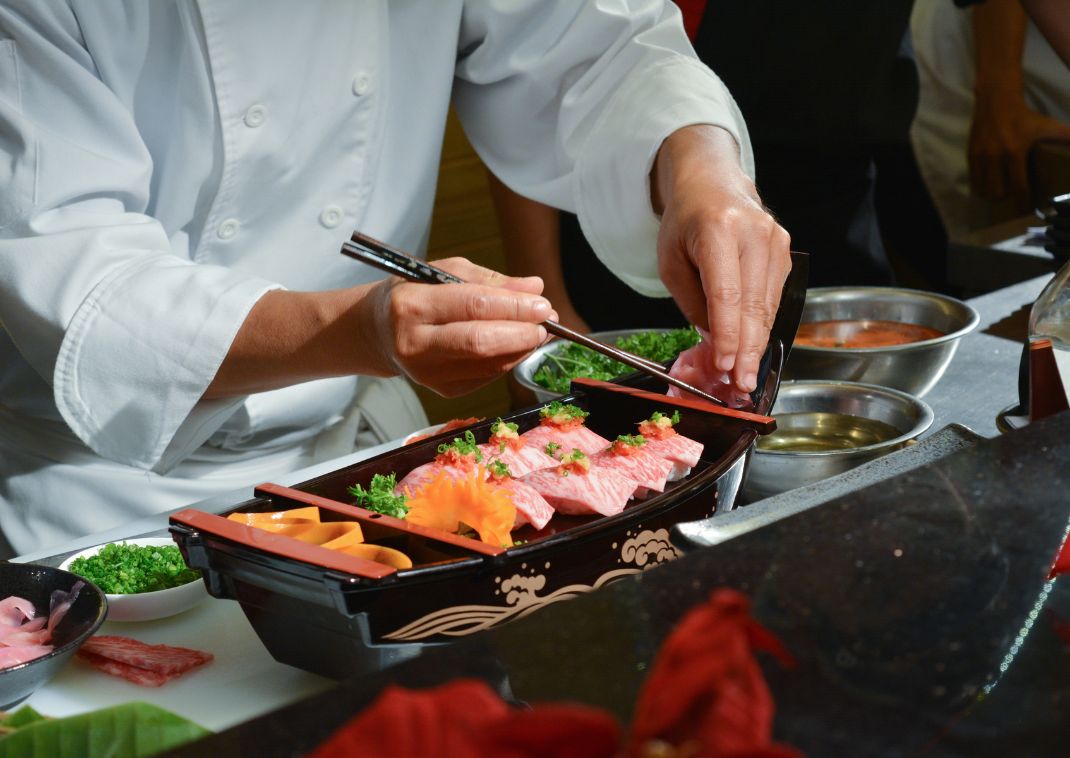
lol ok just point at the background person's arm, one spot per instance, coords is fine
(1004, 128)
(1053, 19)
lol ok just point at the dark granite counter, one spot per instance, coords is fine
(919, 611)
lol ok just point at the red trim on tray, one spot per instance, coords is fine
(362, 515)
(281, 545)
(762, 424)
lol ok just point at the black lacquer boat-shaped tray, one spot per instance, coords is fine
(338, 615)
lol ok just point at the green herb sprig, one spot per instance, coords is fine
(380, 496)
(571, 360)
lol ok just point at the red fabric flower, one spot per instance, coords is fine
(706, 694)
(466, 719)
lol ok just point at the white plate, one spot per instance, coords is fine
(147, 606)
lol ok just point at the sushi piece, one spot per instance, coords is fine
(531, 507)
(577, 488)
(628, 457)
(664, 441)
(518, 453)
(456, 459)
(563, 425)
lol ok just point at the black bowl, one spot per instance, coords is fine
(36, 583)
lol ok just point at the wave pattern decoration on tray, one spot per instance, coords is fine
(645, 550)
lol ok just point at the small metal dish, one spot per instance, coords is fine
(914, 367)
(826, 428)
(525, 370)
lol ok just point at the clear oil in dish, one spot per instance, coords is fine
(814, 432)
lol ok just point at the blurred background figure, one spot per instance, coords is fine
(992, 88)
(828, 89)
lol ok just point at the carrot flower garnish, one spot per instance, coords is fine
(446, 503)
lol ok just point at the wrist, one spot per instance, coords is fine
(691, 152)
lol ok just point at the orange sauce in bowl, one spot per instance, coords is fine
(862, 333)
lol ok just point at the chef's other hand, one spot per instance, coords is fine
(722, 256)
(454, 338)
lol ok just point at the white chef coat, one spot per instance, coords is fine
(940, 133)
(164, 164)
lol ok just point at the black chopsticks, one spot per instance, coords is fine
(393, 261)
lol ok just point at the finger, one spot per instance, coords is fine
(755, 319)
(777, 273)
(473, 273)
(682, 280)
(460, 352)
(443, 304)
(719, 271)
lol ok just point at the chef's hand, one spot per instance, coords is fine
(722, 256)
(454, 338)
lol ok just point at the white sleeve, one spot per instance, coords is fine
(128, 334)
(568, 103)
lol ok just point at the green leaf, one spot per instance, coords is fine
(127, 730)
(380, 496)
(20, 718)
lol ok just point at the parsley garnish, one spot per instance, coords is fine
(572, 360)
(380, 496)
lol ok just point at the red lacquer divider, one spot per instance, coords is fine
(281, 545)
(275, 491)
(761, 424)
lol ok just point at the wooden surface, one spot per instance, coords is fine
(463, 223)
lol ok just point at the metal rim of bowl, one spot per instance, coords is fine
(102, 614)
(924, 422)
(972, 322)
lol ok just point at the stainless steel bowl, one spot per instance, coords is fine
(914, 367)
(826, 428)
(526, 369)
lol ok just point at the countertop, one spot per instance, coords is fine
(619, 627)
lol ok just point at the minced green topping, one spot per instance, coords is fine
(499, 426)
(465, 446)
(634, 440)
(380, 496)
(566, 410)
(499, 468)
(657, 416)
(124, 569)
(552, 448)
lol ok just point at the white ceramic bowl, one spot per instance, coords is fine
(147, 606)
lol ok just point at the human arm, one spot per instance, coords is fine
(720, 253)
(1051, 18)
(451, 338)
(580, 130)
(1004, 128)
(531, 240)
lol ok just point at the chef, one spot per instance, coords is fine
(176, 179)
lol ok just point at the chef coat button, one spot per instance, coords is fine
(228, 228)
(361, 83)
(332, 216)
(255, 116)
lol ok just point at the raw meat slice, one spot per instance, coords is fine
(531, 507)
(576, 437)
(682, 451)
(60, 602)
(696, 367)
(163, 659)
(599, 491)
(13, 656)
(15, 610)
(134, 674)
(521, 460)
(648, 471)
(421, 475)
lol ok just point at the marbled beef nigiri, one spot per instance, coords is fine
(563, 425)
(519, 453)
(577, 488)
(663, 441)
(628, 456)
